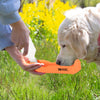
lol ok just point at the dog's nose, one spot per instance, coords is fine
(58, 62)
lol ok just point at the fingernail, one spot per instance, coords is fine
(41, 63)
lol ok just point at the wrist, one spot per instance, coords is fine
(16, 24)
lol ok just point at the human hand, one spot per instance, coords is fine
(21, 60)
(32, 67)
(20, 36)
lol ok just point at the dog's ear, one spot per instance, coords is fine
(79, 41)
(98, 6)
(72, 12)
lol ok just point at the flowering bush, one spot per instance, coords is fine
(43, 22)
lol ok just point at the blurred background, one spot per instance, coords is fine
(80, 3)
(43, 18)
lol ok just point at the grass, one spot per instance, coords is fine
(16, 84)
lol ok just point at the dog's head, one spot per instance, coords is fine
(73, 42)
(73, 36)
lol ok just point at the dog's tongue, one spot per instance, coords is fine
(99, 43)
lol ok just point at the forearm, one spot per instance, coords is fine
(18, 24)
(15, 54)
(20, 36)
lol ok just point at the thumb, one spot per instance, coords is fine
(25, 50)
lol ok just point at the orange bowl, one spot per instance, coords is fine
(52, 67)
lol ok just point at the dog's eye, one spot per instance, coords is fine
(63, 46)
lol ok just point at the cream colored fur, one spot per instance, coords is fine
(78, 34)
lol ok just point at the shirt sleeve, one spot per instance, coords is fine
(5, 36)
(9, 11)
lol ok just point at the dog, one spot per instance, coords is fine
(78, 36)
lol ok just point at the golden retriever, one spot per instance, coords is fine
(78, 36)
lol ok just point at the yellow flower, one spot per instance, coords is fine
(51, 18)
(58, 47)
(31, 28)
